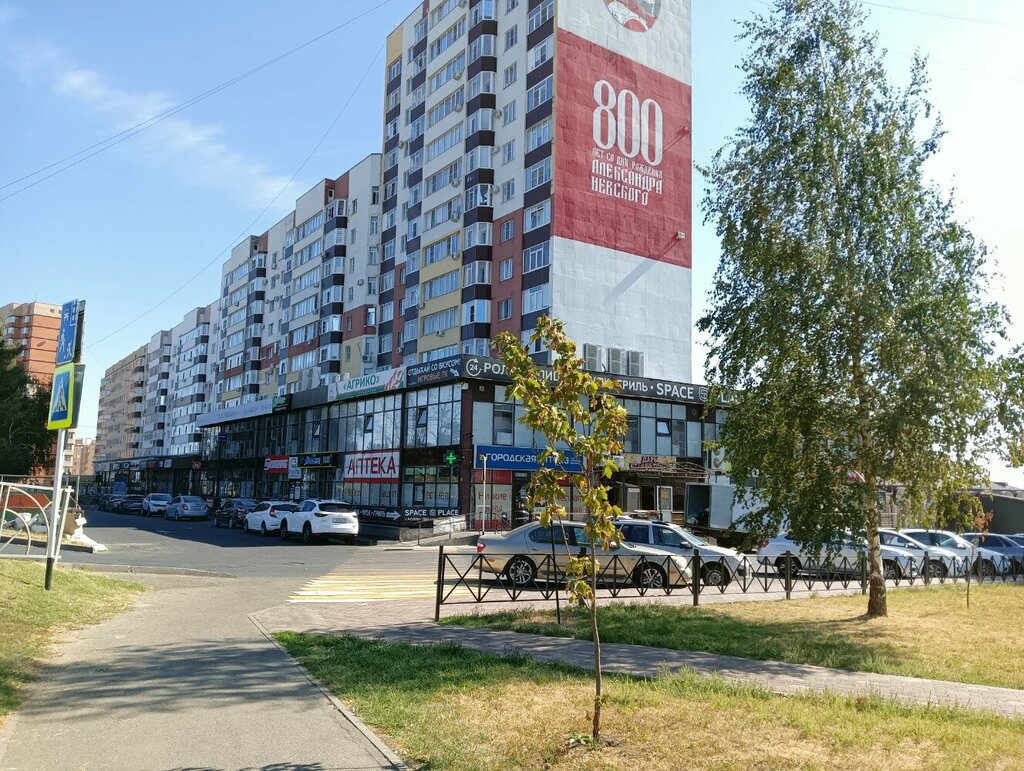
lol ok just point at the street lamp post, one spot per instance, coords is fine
(483, 521)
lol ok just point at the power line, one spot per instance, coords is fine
(248, 228)
(121, 136)
(937, 14)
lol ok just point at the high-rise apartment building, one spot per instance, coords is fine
(537, 161)
(193, 351)
(32, 326)
(121, 411)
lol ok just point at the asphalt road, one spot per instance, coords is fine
(197, 545)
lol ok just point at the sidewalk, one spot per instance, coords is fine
(410, 622)
(185, 680)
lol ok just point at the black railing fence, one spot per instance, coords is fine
(468, 578)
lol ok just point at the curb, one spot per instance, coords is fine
(20, 541)
(144, 570)
(389, 754)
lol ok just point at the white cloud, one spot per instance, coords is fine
(195, 153)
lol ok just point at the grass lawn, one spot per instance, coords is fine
(30, 618)
(929, 632)
(446, 707)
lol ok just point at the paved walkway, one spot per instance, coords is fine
(410, 622)
(185, 680)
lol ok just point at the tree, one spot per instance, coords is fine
(25, 443)
(576, 409)
(848, 311)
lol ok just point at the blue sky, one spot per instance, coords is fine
(126, 228)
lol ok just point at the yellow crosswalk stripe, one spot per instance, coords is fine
(371, 588)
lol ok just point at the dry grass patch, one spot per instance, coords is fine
(929, 632)
(30, 618)
(446, 707)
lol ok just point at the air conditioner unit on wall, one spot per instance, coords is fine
(458, 75)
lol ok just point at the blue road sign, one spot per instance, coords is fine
(67, 337)
(521, 459)
(62, 398)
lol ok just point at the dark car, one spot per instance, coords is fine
(130, 504)
(232, 512)
(110, 502)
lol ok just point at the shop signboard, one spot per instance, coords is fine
(375, 382)
(275, 464)
(294, 471)
(520, 459)
(431, 372)
(657, 464)
(318, 460)
(377, 466)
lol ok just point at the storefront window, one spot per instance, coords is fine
(433, 416)
(430, 487)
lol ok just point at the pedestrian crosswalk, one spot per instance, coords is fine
(355, 587)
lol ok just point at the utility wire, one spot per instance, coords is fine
(248, 228)
(937, 14)
(116, 139)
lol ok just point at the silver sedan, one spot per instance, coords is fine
(527, 551)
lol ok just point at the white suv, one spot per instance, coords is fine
(317, 518)
(155, 503)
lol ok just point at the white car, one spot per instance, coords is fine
(843, 557)
(154, 503)
(988, 562)
(266, 516)
(186, 507)
(718, 565)
(318, 518)
(941, 562)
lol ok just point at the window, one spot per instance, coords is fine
(505, 310)
(446, 247)
(509, 113)
(505, 270)
(374, 195)
(476, 273)
(540, 93)
(508, 190)
(374, 225)
(540, 14)
(449, 36)
(508, 230)
(539, 134)
(541, 52)
(445, 107)
(478, 195)
(482, 83)
(395, 69)
(476, 312)
(538, 174)
(443, 178)
(511, 72)
(537, 216)
(303, 307)
(371, 285)
(537, 298)
(482, 10)
(537, 257)
(372, 256)
(478, 158)
(482, 46)
(480, 120)
(664, 536)
(438, 323)
(305, 281)
(387, 312)
(508, 152)
(444, 142)
(445, 212)
(477, 235)
(440, 12)
(510, 5)
(511, 36)
(446, 73)
(442, 285)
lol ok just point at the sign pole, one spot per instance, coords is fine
(56, 525)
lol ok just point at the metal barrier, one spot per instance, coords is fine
(27, 511)
(466, 578)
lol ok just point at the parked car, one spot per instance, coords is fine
(186, 507)
(266, 517)
(155, 503)
(718, 565)
(1002, 544)
(840, 557)
(232, 512)
(109, 502)
(130, 504)
(1018, 539)
(987, 562)
(941, 562)
(521, 554)
(317, 518)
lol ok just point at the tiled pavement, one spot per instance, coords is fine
(411, 621)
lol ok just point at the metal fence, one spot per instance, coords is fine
(30, 525)
(468, 578)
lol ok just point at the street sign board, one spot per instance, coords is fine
(62, 398)
(69, 337)
(222, 436)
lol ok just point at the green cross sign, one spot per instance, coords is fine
(450, 458)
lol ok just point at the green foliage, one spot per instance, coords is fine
(848, 311)
(25, 443)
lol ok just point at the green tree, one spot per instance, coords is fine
(848, 310)
(25, 443)
(577, 409)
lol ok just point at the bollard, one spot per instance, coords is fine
(695, 576)
(440, 583)
(927, 569)
(789, 575)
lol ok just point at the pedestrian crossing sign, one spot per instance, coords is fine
(62, 398)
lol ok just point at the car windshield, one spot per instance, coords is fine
(247, 501)
(689, 537)
(192, 499)
(1017, 539)
(285, 506)
(159, 497)
(335, 507)
(943, 539)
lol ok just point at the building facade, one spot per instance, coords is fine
(120, 418)
(33, 327)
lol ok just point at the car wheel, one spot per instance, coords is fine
(890, 570)
(521, 572)
(649, 576)
(985, 568)
(166, 515)
(307, 534)
(780, 566)
(284, 530)
(715, 574)
(938, 569)
(263, 529)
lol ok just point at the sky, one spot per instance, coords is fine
(139, 231)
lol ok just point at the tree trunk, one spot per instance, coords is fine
(878, 605)
(596, 730)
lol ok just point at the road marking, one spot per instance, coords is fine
(335, 587)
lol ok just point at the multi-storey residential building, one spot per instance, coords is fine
(32, 326)
(121, 411)
(153, 439)
(79, 456)
(190, 385)
(538, 162)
